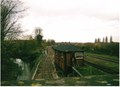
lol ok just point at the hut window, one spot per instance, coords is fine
(78, 55)
(61, 55)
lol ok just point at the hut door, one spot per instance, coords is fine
(68, 59)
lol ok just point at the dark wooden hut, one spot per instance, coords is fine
(68, 55)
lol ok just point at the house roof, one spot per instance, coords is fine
(67, 48)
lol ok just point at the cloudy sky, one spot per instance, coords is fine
(73, 20)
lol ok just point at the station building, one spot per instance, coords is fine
(68, 55)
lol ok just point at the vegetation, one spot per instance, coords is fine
(27, 50)
(9, 69)
(111, 49)
(60, 73)
(10, 30)
(103, 55)
(38, 35)
(10, 13)
(50, 42)
(106, 39)
(86, 71)
(103, 63)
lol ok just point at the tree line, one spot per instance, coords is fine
(105, 40)
(102, 48)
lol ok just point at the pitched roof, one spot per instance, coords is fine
(67, 48)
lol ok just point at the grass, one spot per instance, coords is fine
(103, 63)
(103, 55)
(86, 71)
(60, 73)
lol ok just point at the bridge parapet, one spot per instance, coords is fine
(95, 80)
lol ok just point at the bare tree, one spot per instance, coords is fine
(51, 42)
(26, 37)
(38, 35)
(10, 13)
(38, 31)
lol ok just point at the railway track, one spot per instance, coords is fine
(102, 68)
(106, 59)
(46, 69)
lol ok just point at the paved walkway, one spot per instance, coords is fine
(101, 80)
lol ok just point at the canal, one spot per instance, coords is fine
(25, 69)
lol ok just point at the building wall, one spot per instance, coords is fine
(56, 57)
(59, 63)
(60, 58)
(65, 62)
(62, 61)
(80, 62)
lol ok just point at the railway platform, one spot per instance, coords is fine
(96, 80)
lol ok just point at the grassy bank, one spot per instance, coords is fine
(102, 55)
(103, 63)
(86, 71)
(60, 73)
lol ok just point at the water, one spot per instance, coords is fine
(25, 68)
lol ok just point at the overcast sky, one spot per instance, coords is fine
(73, 20)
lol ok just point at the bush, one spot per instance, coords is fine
(9, 70)
(31, 58)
